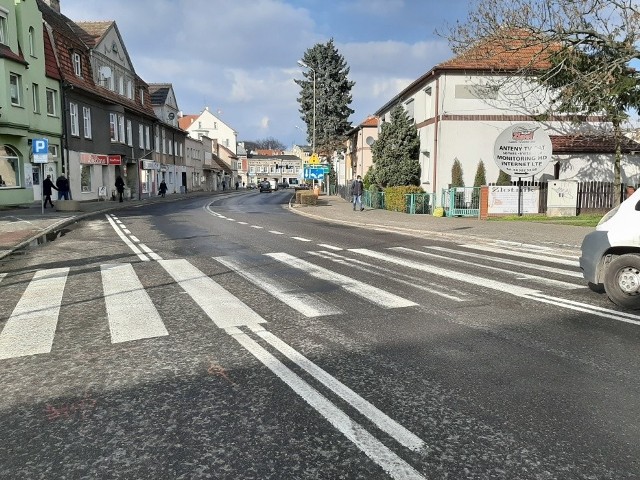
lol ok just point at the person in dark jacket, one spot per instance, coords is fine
(62, 185)
(357, 189)
(163, 188)
(47, 190)
(120, 187)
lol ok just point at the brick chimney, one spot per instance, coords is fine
(54, 4)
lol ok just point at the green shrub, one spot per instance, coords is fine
(395, 199)
(374, 194)
(306, 197)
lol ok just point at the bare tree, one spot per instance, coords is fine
(578, 51)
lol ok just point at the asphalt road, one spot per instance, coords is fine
(230, 338)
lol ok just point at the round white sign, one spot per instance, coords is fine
(522, 150)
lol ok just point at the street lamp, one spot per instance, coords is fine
(313, 143)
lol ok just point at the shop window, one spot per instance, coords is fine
(9, 167)
(85, 178)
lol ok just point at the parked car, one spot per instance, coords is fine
(610, 258)
(251, 186)
(265, 186)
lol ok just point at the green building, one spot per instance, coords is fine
(30, 106)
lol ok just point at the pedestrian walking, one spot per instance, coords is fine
(62, 185)
(120, 187)
(47, 190)
(163, 188)
(224, 185)
(357, 188)
(237, 185)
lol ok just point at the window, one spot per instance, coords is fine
(129, 133)
(409, 109)
(129, 89)
(77, 65)
(86, 115)
(32, 50)
(15, 88)
(35, 93)
(73, 114)
(142, 97)
(10, 176)
(53, 151)
(141, 135)
(156, 138)
(180, 146)
(113, 125)
(85, 178)
(170, 147)
(164, 143)
(121, 85)
(121, 137)
(52, 102)
(147, 137)
(3, 26)
(110, 83)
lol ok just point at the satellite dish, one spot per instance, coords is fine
(370, 141)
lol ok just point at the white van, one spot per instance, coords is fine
(610, 257)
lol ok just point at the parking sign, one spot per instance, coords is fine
(40, 148)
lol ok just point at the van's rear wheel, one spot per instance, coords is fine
(622, 281)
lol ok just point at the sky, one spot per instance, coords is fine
(239, 57)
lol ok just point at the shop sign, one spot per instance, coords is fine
(95, 159)
(522, 150)
(150, 165)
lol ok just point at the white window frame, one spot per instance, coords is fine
(15, 83)
(147, 137)
(52, 102)
(129, 133)
(142, 96)
(113, 124)
(140, 135)
(121, 85)
(73, 119)
(32, 50)
(129, 89)
(4, 34)
(121, 136)
(170, 147)
(86, 116)
(35, 94)
(77, 64)
(157, 138)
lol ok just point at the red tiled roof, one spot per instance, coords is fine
(185, 121)
(6, 52)
(370, 121)
(50, 62)
(92, 32)
(590, 144)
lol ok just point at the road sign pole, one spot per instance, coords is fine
(42, 188)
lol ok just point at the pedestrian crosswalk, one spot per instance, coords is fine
(413, 277)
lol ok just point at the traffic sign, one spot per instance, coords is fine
(40, 147)
(314, 160)
(314, 173)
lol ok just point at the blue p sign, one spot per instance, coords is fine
(40, 146)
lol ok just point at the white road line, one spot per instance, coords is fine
(390, 462)
(543, 268)
(521, 292)
(222, 307)
(32, 325)
(519, 274)
(528, 247)
(381, 420)
(533, 256)
(126, 230)
(295, 297)
(330, 247)
(134, 238)
(221, 216)
(243, 223)
(388, 274)
(130, 311)
(150, 252)
(361, 289)
(2, 275)
(256, 226)
(231, 219)
(301, 239)
(126, 240)
(275, 232)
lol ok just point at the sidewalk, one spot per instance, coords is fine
(459, 229)
(21, 226)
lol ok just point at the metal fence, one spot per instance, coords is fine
(461, 201)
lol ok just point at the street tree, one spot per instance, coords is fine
(481, 175)
(578, 50)
(332, 96)
(396, 152)
(269, 143)
(457, 176)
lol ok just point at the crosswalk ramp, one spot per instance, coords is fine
(132, 314)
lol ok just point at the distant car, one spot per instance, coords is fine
(283, 185)
(265, 186)
(251, 186)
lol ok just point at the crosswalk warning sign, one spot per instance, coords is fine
(314, 159)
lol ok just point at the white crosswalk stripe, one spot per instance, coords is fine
(131, 313)
(32, 325)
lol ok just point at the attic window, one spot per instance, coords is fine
(77, 64)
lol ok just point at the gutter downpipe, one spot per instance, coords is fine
(435, 137)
